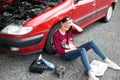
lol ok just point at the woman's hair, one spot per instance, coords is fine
(65, 19)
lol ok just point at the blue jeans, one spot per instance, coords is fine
(81, 51)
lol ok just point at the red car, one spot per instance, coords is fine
(27, 26)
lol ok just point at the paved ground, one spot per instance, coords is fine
(13, 67)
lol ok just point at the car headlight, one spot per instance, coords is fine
(15, 29)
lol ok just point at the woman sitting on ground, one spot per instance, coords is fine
(65, 46)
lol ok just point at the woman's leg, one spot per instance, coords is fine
(95, 47)
(80, 52)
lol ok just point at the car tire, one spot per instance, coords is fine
(108, 15)
(49, 47)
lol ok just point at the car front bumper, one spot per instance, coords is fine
(10, 43)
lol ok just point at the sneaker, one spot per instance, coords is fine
(95, 78)
(92, 76)
(114, 66)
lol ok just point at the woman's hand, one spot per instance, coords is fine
(78, 28)
(71, 48)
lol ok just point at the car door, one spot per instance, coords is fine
(101, 8)
(83, 11)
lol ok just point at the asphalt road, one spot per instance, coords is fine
(107, 35)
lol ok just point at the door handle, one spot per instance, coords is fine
(94, 3)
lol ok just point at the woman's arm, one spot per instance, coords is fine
(68, 50)
(72, 47)
(78, 28)
(57, 44)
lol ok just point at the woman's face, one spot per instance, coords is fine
(66, 25)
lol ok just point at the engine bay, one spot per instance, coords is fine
(21, 11)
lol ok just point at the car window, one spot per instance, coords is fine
(55, 2)
(77, 0)
(51, 0)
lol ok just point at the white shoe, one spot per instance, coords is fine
(95, 78)
(113, 66)
(92, 76)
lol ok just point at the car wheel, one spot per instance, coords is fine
(108, 15)
(49, 47)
